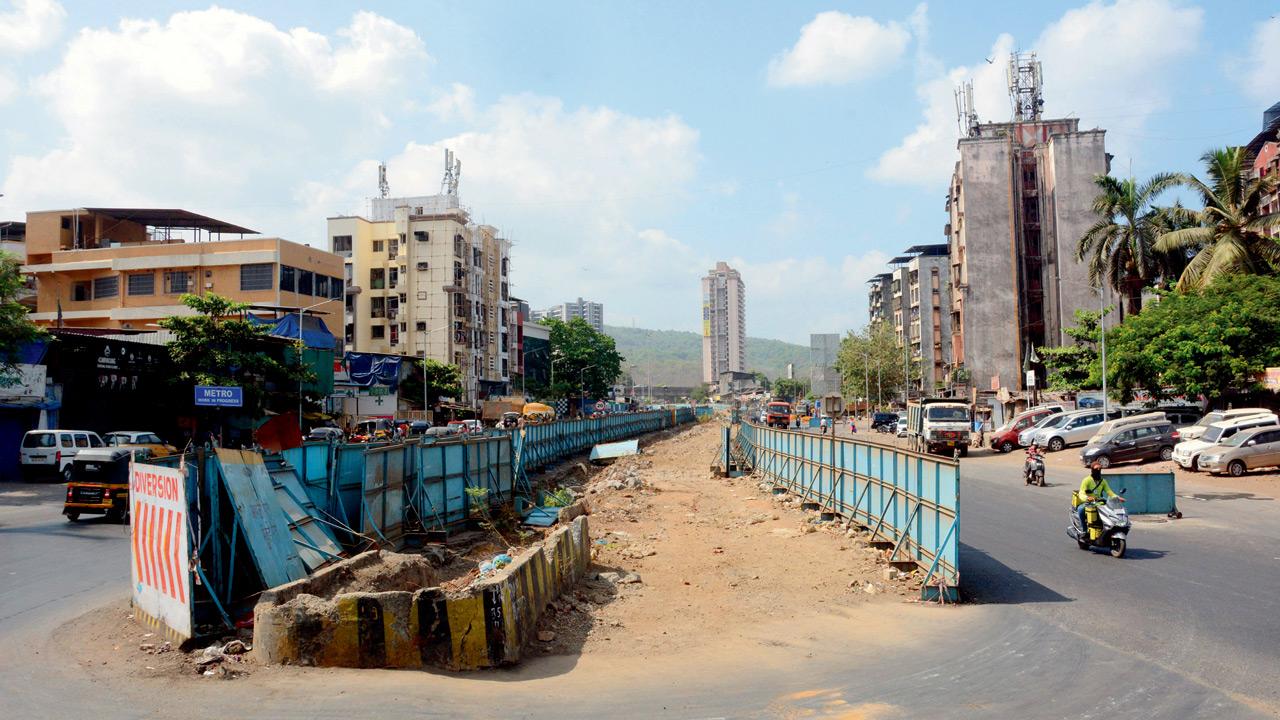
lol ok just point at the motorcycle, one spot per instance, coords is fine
(1109, 529)
(1033, 467)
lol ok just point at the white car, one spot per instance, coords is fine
(50, 452)
(1198, 429)
(902, 427)
(1187, 453)
(1033, 433)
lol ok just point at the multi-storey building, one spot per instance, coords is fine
(424, 280)
(128, 267)
(592, 312)
(1264, 153)
(824, 380)
(928, 301)
(724, 323)
(879, 297)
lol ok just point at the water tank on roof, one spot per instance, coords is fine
(1271, 115)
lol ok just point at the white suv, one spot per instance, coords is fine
(1187, 453)
(49, 452)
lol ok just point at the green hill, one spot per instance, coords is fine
(674, 357)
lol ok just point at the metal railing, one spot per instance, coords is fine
(906, 498)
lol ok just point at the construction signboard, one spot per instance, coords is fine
(160, 572)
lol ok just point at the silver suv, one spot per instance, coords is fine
(1075, 430)
(1247, 450)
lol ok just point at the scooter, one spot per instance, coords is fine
(1033, 467)
(1108, 527)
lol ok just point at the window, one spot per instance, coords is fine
(142, 284)
(341, 243)
(306, 282)
(377, 307)
(322, 286)
(395, 335)
(377, 332)
(420, 235)
(257, 276)
(82, 440)
(38, 440)
(105, 287)
(394, 278)
(336, 288)
(393, 248)
(457, 245)
(377, 279)
(287, 282)
(1124, 437)
(423, 267)
(421, 326)
(177, 281)
(82, 291)
(377, 246)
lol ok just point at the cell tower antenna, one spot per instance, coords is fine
(384, 187)
(1025, 86)
(966, 113)
(452, 173)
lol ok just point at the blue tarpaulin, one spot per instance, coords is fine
(369, 369)
(315, 334)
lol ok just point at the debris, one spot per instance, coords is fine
(546, 636)
(890, 573)
(235, 647)
(210, 655)
(869, 588)
(759, 519)
(619, 578)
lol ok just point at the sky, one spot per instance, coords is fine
(623, 147)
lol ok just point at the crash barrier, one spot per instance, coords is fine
(1145, 493)
(902, 497)
(485, 625)
(702, 412)
(539, 445)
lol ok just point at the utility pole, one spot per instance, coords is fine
(1102, 336)
(866, 373)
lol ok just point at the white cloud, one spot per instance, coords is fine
(30, 25)
(835, 48)
(1113, 65)
(457, 104)
(1259, 72)
(215, 110)
(837, 304)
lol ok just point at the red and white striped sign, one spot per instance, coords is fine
(160, 574)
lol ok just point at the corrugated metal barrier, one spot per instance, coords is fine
(902, 497)
(538, 445)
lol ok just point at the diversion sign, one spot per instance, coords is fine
(160, 549)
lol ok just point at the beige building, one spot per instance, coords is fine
(724, 323)
(422, 279)
(127, 267)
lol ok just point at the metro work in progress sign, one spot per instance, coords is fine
(160, 570)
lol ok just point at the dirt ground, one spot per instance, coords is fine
(694, 559)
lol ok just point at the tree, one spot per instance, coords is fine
(872, 356)
(1076, 367)
(791, 389)
(1210, 342)
(763, 380)
(700, 394)
(1230, 236)
(1120, 246)
(442, 379)
(16, 328)
(219, 346)
(583, 360)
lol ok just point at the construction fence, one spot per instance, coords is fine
(906, 498)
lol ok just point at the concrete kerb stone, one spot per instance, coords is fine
(485, 625)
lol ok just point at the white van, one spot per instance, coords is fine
(1187, 453)
(1195, 431)
(50, 452)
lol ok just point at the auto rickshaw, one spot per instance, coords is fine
(100, 483)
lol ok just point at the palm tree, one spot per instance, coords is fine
(1120, 245)
(1228, 236)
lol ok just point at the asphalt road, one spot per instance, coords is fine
(1187, 626)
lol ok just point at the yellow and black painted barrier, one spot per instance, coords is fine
(485, 625)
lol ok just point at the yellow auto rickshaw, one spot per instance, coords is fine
(100, 483)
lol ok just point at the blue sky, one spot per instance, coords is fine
(624, 147)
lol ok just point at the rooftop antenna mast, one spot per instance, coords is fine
(966, 113)
(384, 187)
(452, 173)
(1025, 87)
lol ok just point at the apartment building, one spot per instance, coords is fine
(879, 297)
(1264, 153)
(591, 312)
(928, 307)
(423, 279)
(128, 267)
(724, 323)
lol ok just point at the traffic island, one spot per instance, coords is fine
(390, 623)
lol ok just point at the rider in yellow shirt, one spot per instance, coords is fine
(1092, 487)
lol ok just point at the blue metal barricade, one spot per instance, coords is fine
(1145, 493)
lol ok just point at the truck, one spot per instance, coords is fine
(495, 407)
(940, 425)
(778, 414)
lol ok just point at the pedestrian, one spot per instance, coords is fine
(853, 424)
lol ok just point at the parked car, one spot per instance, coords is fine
(464, 427)
(1149, 441)
(1187, 453)
(50, 452)
(901, 427)
(1028, 436)
(1075, 430)
(1088, 403)
(1116, 423)
(439, 431)
(326, 434)
(140, 439)
(1195, 431)
(1246, 450)
(886, 419)
(1005, 437)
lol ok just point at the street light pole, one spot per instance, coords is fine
(1102, 336)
